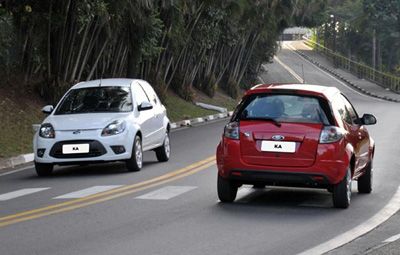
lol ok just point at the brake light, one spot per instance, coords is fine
(331, 134)
(232, 130)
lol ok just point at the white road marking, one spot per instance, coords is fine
(17, 170)
(20, 193)
(291, 48)
(87, 192)
(392, 239)
(293, 73)
(383, 215)
(166, 193)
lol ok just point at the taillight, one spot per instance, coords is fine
(232, 130)
(331, 134)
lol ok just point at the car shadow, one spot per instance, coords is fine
(281, 197)
(90, 170)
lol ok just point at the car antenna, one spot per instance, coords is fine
(302, 70)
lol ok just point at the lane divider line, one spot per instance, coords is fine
(380, 217)
(107, 195)
(20, 193)
(392, 239)
(293, 73)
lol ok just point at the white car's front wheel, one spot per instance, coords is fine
(163, 152)
(135, 163)
(43, 169)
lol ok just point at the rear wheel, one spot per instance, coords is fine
(163, 152)
(342, 192)
(365, 181)
(135, 163)
(43, 169)
(227, 190)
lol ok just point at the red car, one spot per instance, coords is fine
(296, 135)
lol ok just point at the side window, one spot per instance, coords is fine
(342, 109)
(351, 111)
(150, 92)
(139, 94)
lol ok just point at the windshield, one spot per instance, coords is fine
(284, 108)
(96, 99)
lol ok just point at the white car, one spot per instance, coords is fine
(102, 121)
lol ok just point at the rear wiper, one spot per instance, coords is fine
(264, 118)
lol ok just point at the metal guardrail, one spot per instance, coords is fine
(386, 80)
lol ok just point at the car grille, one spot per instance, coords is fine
(96, 149)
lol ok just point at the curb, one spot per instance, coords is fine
(340, 77)
(27, 158)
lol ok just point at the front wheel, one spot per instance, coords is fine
(227, 190)
(163, 152)
(43, 169)
(135, 163)
(365, 181)
(342, 192)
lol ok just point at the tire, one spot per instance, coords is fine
(135, 163)
(342, 192)
(365, 181)
(226, 190)
(43, 169)
(163, 152)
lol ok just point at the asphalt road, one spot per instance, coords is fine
(172, 208)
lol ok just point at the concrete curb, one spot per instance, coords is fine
(340, 77)
(27, 158)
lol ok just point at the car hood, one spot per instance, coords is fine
(83, 121)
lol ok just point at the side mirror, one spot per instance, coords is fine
(48, 109)
(145, 106)
(368, 119)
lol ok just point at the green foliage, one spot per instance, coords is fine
(175, 44)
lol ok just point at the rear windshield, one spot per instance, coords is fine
(283, 108)
(96, 99)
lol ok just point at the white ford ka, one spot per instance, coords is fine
(102, 121)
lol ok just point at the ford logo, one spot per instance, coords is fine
(278, 137)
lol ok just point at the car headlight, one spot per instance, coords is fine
(114, 128)
(47, 131)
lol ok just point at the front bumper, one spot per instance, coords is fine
(100, 148)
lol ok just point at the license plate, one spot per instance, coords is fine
(75, 148)
(272, 146)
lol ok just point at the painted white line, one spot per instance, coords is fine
(383, 215)
(293, 73)
(166, 193)
(87, 192)
(392, 239)
(291, 48)
(20, 193)
(16, 171)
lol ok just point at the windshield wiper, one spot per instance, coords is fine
(265, 119)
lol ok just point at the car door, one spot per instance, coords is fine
(144, 118)
(159, 112)
(358, 134)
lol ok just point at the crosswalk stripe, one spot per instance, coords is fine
(20, 193)
(167, 192)
(87, 192)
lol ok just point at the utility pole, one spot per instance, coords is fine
(373, 53)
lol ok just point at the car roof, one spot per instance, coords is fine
(318, 90)
(122, 82)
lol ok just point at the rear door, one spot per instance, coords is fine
(281, 130)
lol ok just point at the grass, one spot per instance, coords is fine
(179, 109)
(16, 126)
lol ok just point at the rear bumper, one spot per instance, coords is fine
(280, 178)
(329, 168)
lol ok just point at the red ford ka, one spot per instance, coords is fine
(296, 135)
